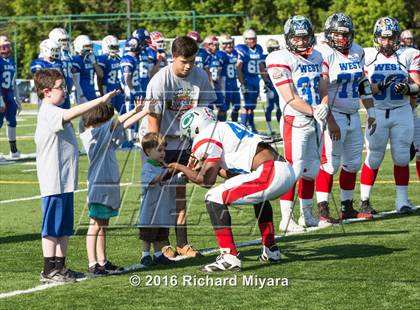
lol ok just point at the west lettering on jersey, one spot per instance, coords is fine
(350, 66)
(304, 68)
(388, 67)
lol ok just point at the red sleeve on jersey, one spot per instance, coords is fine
(284, 82)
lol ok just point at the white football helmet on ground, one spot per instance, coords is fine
(49, 49)
(195, 120)
(60, 36)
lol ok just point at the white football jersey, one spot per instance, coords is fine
(303, 74)
(229, 143)
(344, 72)
(378, 66)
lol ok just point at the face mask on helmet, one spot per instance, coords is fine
(299, 35)
(49, 49)
(339, 32)
(5, 47)
(386, 35)
(133, 45)
(83, 45)
(110, 46)
(211, 43)
(158, 41)
(60, 36)
(226, 42)
(194, 121)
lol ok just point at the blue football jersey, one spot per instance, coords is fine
(7, 75)
(214, 66)
(67, 61)
(228, 63)
(84, 67)
(41, 63)
(111, 68)
(144, 70)
(202, 58)
(250, 59)
(130, 66)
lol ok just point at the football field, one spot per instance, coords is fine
(362, 264)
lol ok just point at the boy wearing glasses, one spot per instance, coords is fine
(57, 162)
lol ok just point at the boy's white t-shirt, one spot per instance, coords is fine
(56, 152)
(100, 144)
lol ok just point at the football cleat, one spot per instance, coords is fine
(347, 211)
(290, 226)
(306, 218)
(366, 207)
(324, 215)
(270, 255)
(224, 262)
(405, 208)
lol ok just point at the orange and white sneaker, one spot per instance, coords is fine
(168, 251)
(188, 250)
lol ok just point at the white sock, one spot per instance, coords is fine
(346, 194)
(158, 253)
(402, 195)
(92, 264)
(322, 196)
(365, 191)
(286, 209)
(11, 133)
(103, 263)
(146, 253)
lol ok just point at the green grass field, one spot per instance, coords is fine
(372, 264)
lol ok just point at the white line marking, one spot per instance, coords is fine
(39, 196)
(204, 251)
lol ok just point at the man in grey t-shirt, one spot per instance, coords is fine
(178, 87)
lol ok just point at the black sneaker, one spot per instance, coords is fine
(147, 261)
(162, 259)
(71, 273)
(348, 212)
(324, 214)
(366, 207)
(110, 267)
(97, 270)
(56, 276)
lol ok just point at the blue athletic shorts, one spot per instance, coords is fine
(57, 215)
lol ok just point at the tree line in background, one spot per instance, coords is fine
(265, 16)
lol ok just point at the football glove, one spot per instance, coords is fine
(364, 88)
(320, 112)
(244, 90)
(91, 57)
(382, 85)
(405, 88)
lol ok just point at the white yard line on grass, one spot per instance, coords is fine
(136, 267)
(39, 196)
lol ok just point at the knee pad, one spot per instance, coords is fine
(312, 170)
(402, 157)
(374, 159)
(332, 167)
(353, 166)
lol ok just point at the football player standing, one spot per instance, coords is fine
(296, 74)
(394, 73)
(9, 105)
(343, 70)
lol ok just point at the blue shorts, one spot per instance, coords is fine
(11, 110)
(251, 97)
(57, 215)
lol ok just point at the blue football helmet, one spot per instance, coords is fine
(342, 24)
(133, 45)
(387, 27)
(299, 26)
(143, 36)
